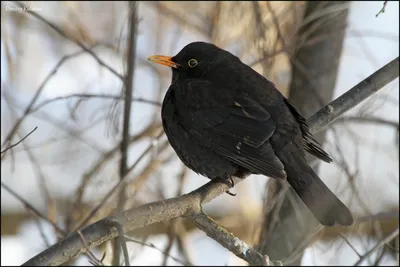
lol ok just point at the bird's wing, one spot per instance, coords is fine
(310, 144)
(238, 131)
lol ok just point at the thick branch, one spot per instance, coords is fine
(188, 204)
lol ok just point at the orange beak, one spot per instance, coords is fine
(163, 60)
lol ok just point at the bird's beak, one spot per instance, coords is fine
(163, 60)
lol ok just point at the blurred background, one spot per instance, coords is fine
(312, 51)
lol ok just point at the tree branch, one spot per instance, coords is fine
(190, 204)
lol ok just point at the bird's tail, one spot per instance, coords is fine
(325, 206)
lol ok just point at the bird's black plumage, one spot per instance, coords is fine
(224, 119)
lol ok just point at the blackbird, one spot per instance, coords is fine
(223, 119)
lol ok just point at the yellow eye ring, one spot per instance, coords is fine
(192, 63)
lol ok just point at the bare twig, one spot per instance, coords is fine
(382, 9)
(28, 109)
(13, 145)
(150, 245)
(107, 156)
(350, 245)
(105, 96)
(176, 16)
(381, 243)
(65, 35)
(107, 196)
(371, 120)
(32, 209)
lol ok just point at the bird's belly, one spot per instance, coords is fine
(197, 157)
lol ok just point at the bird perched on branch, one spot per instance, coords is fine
(223, 119)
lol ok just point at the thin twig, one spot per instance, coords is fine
(350, 245)
(105, 96)
(371, 120)
(28, 109)
(65, 35)
(382, 9)
(17, 143)
(150, 245)
(107, 196)
(31, 208)
(381, 243)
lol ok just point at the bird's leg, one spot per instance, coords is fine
(232, 185)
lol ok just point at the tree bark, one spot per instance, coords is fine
(288, 226)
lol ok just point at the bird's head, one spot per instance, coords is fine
(195, 60)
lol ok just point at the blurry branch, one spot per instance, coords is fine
(325, 11)
(60, 125)
(105, 96)
(176, 16)
(167, 255)
(89, 174)
(95, 209)
(322, 37)
(381, 243)
(382, 9)
(190, 205)
(50, 205)
(123, 168)
(13, 145)
(33, 209)
(65, 35)
(29, 108)
(372, 120)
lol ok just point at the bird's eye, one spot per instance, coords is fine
(192, 63)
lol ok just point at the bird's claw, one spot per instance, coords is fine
(229, 193)
(232, 185)
(232, 182)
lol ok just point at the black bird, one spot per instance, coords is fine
(224, 119)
